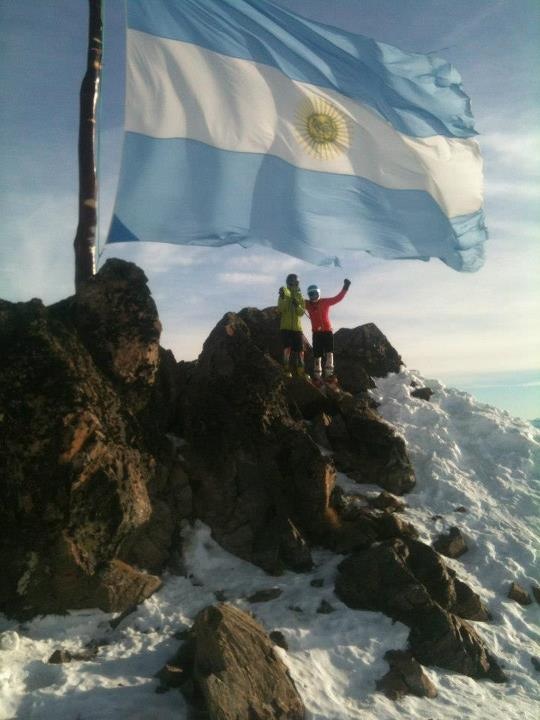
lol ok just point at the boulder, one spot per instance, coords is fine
(445, 640)
(452, 544)
(408, 581)
(85, 462)
(387, 501)
(423, 393)
(236, 671)
(405, 677)
(362, 353)
(372, 452)
(519, 594)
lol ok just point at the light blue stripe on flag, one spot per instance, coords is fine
(216, 197)
(248, 124)
(420, 95)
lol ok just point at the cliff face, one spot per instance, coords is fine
(86, 469)
(94, 491)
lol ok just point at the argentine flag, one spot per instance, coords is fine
(246, 123)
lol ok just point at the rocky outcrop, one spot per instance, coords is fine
(405, 677)
(408, 581)
(361, 354)
(95, 491)
(518, 593)
(89, 488)
(452, 544)
(230, 669)
(262, 483)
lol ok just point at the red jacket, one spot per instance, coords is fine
(318, 311)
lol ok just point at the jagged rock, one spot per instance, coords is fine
(536, 663)
(236, 670)
(452, 544)
(265, 595)
(519, 594)
(423, 393)
(445, 640)
(405, 677)
(408, 581)
(468, 604)
(83, 455)
(373, 452)
(307, 400)
(60, 656)
(536, 592)
(387, 501)
(263, 485)
(361, 353)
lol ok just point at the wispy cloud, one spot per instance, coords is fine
(246, 278)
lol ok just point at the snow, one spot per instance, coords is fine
(465, 454)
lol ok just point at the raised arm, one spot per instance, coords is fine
(341, 294)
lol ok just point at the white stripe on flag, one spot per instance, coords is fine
(180, 90)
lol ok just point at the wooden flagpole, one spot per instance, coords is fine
(85, 239)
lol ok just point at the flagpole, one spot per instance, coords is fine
(85, 239)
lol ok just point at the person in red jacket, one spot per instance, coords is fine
(323, 336)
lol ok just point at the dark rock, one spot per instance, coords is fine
(307, 399)
(171, 676)
(373, 452)
(519, 594)
(236, 671)
(536, 592)
(406, 677)
(468, 604)
(437, 517)
(423, 393)
(278, 638)
(451, 544)
(60, 656)
(536, 663)
(387, 501)
(408, 581)
(325, 608)
(461, 509)
(362, 353)
(263, 485)
(86, 395)
(445, 640)
(265, 595)
(317, 582)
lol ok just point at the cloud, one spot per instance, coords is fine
(246, 278)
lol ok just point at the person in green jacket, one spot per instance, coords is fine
(291, 308)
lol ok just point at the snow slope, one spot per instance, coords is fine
(465, 454)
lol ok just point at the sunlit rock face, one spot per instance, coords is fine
(85, 468)
(94, 492)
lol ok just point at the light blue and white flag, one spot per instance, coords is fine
(248, 124)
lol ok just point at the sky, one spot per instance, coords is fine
(479, 330)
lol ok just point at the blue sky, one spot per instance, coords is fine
(479, 330)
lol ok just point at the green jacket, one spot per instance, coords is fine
(291, 308)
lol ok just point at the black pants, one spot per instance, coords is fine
(293, 339)
(323, 342)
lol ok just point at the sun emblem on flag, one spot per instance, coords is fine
(322, 128)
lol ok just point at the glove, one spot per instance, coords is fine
(346, 284)
(281, 292)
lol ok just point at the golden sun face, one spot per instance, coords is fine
(322, 128)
